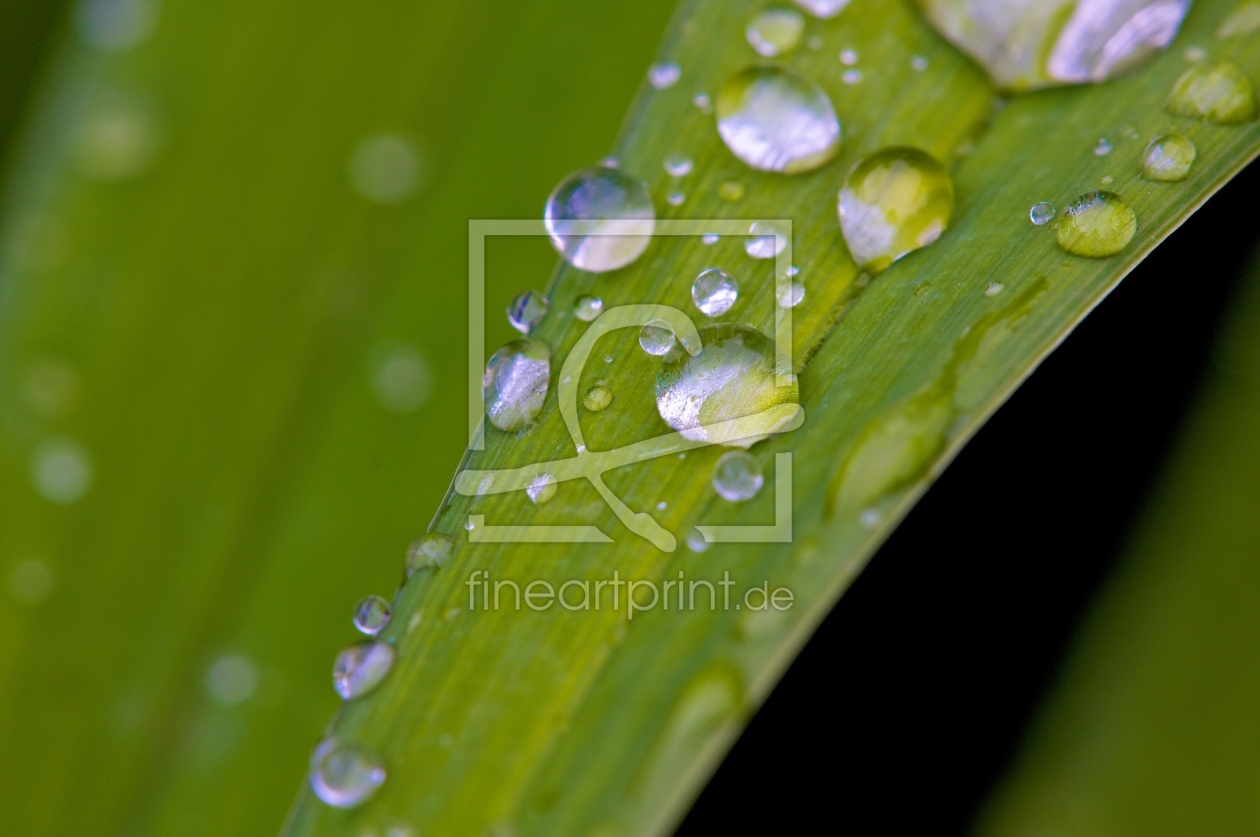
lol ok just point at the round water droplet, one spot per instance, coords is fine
(345, 775)
(696, 542)
(848, 57)
(360, 668)
(731, 379)
(429, 551)
(541, 489)
(385, 168)
(790, 295)
(1106, 179)
(851, 77)
(731, 191)
(703, 102)
(401, 377)
(597, 398)
(994, 289)
(918, 63)
(527, 311)
(1096, 225)
(676, 197)
(775, 30)
(709, 239)
(766, 239)
(1194, 54)
(775, 120)
(823, 8)
(232, 680)
(714, 292)
(662, 76)
(515, 384)
(1042, 213)
(737, 476)
(678, 165)
(1219, 93)
(894, 202)
(1103, 147)
(61, 471)
(371, 615)
(588, 308)
(1168, 158)
(600, 219)
(657, 337)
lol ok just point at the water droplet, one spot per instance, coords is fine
(360, 668)
(345, 775)
(851, 77)
(371, 615)
(662, 76)
(1219, 93)
(918, 63)
(731, 191)
(30, 581)
(597, 398)
(116, 138)
(696, 542)
(429, 551)
(527, 311)
(1042, 213)
(737, 476)
(848, 57)
(703, 102)
(676, 197)
(994, 289)
(588, 308)
(1102, 148)
(733, 377)
(792, 270)
(709, 239)
(385, 168)
(1243, 20)
(662, 505)
(589, 205)
(790, 295)
(116, 24)
(401, 377)
(1194, 54)
(823, 8)
(657, 337)
(232, 680)
(775, 120)
(1168, 158)
(714, 292)
(893, 202)
(1096, 225)
(1106, 179)
(610, 163)
(541, 489)
(515, 384)
(869, 518)
(61, 471)
(766, 239)
(775, 30)
(678, 165)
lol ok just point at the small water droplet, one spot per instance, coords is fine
(597, 398)
(588, 308)
(515, 384)
(1106, 180)
(775, 30)
(703, 102)
(1243, 20)
(657, 337)
(893, 202)
(790, 296)
(345, 775)
(766, 239)
(823, 8)
(1194, 54)
(360, 668)
(385, 168)
(737, 476)
(116, 137)
(527, 310)
(401, 377)
(848, 57)
(541, 489)
(608, 201)
(662, 505)
(774, 120)
(851, 77)
(714, 292)
(371, 615)
(1219, 93)
(663, 76)
(994, 289)
(696, 542)
(610, 163)
(792, 270)
(869, 518)
(1103, 147)
(814, 42)
(918, 63)
(1042, 213)
(709, 239)
(676, 197)
(678, 165)
(1168, 158)
(61, 471)
(429, 551)
(232, 680)
(116, 24)
(30, 581)
(731, 191)
(1096, 225)
(469, 525)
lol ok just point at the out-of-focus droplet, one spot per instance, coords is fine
(527, 311)
(116, 24)
(703, 102)
(61, 470)
(515, 384)
(385, 168)
(774, 120)
(918, 63)
(775, 30)
(401, 377)
(600, 219)
(1219, 93)
(737, 476)
(1102, 148)
(371, 615)
(709, 239)
(1243, 20)
(231, 680)
(1097, 225)
(30, 581)
(344, 775)
(1168, 158)
(361, 668)
(714, 292)
(678, 165)
(731, 191)
(823, 8)
(116, 138)
(663, 76)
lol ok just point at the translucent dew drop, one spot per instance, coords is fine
(1219, 93)
(371, 615)
(709, 239)
(663, 76)
(732, 378)
(823, 8)
(1243, 20)
(696, 542)
(1194, 54)
(737, 476)
(541, 489)
(852, 77)
(597, 398)
(515, 384)
(588, 308)
(431, 551)
(848, 57)
(678, 165)
(1168, 158)
(714, 292)
(657, 338)
(1042, 213)
(361, 668)
(775, 30)
(790, 295)
(1096, 225)
(893, 202)
(703, 103)
(600, 219)
(344, 775)
(1102, 148)
(994, 289)
(527, 310)
(61, 471)
(766, 239)
(918, 63)
(774, 120)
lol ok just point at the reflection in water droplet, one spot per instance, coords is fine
(696, 542)
(733, 377)
(1096, 225)
(360, 668)
(703, 102)
(775, 30)
(731, 191)
(737, 476)
(515, 384)
(709, 239)
(848, 57)
(30, 581)
(1042, 213)
(116, 138)
(678, 165)
(385, 168)
(1106, 179)
(597, 398)
(1168, 158)
(662, 76)
(345, 775)
(676, 197)
(401, 377)
(823, 8)
(116, 24)
(1102, 148)
(541, 489)
(231, 680)
(657, 337)
(588, 308)
(1219, 93)
(766, 239)
(775, 120)
(894, 202)
(371, 615)
(714, 292)
(611, 202)
(1243, 20)
(61, 471)
(429, 551)
(994, 289)
(527, 310)
(790, 295)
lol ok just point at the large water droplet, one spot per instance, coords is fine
(775, 120)
(657, 338)
(597, 398)
(429, 551)
(714, 292)
(515, 384)
(527, 310)
(1243, 20)
(663, 76)
(775, 30)
(737, 476)
(360, 668)
(1168, 158)
(732, 378)
(766, 239)
(345, 775)
(1219, 93)
(541, 489)
(1096, 225)
(600, 219)
(1042, 213)
(371, 615)
(823, 8)
(894, 202)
